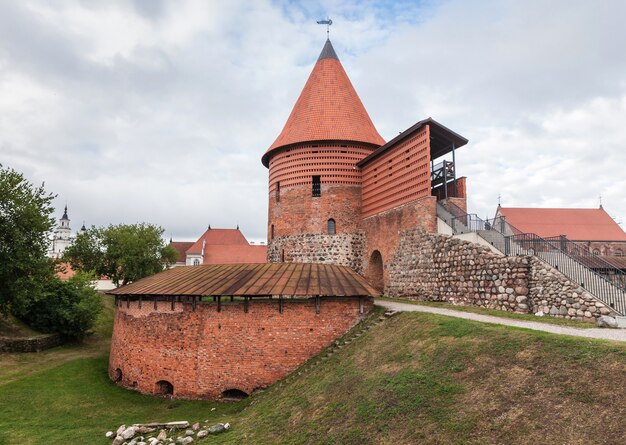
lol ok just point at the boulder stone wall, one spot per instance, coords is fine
(553, 294)
(436, 267)
(344, 249)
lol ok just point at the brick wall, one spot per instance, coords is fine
(299, 212)
(399, 175)
(382, 231)
(204, 352)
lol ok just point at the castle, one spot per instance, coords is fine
(339, 194)
(350, 217)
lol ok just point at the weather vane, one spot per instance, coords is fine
(326, 22)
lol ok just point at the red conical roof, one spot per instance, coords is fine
(328, 109)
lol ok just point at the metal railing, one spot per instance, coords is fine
(598, 275)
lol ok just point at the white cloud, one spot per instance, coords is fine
(161, 110)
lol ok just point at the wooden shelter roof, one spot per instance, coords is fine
(283, 279)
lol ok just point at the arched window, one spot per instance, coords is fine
(596, 252)
(196, 262)
(619, 252)
(332, 227)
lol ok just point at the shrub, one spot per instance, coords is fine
(67, 307)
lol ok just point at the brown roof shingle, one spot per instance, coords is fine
(285, 279)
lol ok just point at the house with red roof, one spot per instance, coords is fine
(219, 246)
(593, 228)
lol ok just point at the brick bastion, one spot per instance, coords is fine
(206, 354)
(222, 347)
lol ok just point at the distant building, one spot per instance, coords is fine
(583, 229)
(219, 246)
(62, 237)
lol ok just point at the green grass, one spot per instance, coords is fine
(496, 313)
(415, 378)
(78, 401)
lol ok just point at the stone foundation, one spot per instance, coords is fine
(344, 249)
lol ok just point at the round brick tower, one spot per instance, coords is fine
(314, 184)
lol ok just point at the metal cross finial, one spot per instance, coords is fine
(498, 199)
(326, 22)
(600, 198)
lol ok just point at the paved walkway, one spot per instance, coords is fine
(600, 333)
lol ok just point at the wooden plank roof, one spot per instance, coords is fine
(285, 279)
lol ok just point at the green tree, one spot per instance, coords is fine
(67, 307)
(124, 252)
(25, 220)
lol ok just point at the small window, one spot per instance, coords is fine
(196, 262)
(278, 191)
(272, 232)
(619, 252)
(332, 227)
(282, 255)
(596, 252)
(317, 186)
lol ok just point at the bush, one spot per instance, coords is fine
(67, 307)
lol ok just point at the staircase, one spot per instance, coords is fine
(512, 242)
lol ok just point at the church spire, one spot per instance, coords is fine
(65, 213)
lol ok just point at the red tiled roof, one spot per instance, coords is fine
(222, 254)
(219, 237)
(64, 271)
(181, 247)
(328, 109)
(575, 224)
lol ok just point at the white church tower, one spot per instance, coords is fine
(62, 237)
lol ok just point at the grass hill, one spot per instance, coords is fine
(415, 378)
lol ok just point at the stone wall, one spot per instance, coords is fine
(30, 344)
(553, 294)
(203, 352)
(440, 268)
(344, 249)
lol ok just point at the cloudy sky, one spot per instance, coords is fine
(159, 111)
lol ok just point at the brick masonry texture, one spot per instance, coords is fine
(382, 231)
(298, 212)
(435, 267)
(344, 249)
(203, 353)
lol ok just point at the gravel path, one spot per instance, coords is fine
(603, 334)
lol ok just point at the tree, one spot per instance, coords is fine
(25, 220)
(67, 307)
(124, 252)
